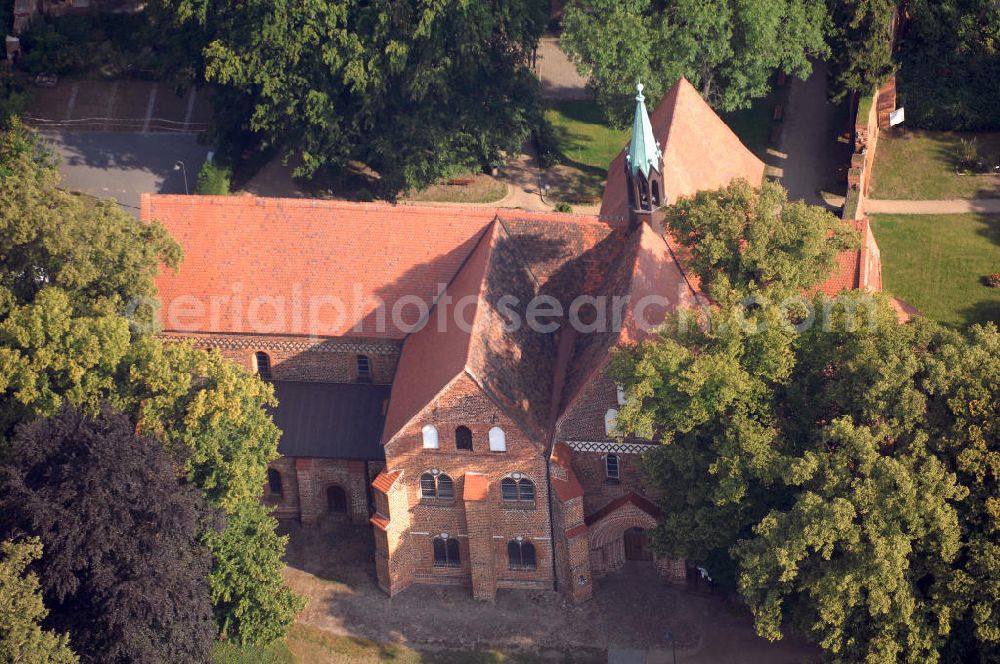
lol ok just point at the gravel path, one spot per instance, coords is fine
(954, 206)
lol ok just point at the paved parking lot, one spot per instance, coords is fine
(123, 165)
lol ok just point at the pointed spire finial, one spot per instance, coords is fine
(644, 150)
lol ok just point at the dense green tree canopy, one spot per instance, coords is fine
(410, 88)
(745, 241)
(861, 43)
(842, 477)
(64, 339)
(949, 75)
(123, 572)
(22, 638)
(728, 49)
(98, 255)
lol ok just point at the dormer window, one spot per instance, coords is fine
(463, 439)
(364, 368)
(430, 434)
(262, 365)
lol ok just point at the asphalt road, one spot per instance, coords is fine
(123, 165)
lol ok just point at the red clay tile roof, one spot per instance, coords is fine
(379, 521)
(241, 248)
(630, 498)
(384, 481)
(905, 311)
(858, 268)
(569, 488)
(576, 530)
(477, 487)
(699, 152)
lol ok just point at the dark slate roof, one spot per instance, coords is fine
(332, 420)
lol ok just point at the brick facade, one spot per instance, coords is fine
(483, 527)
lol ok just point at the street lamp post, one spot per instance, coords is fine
(669, 637)
(179, 166)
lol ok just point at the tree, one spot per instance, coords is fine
(98, 255)
(411, 89)
(22, 639)
(728, 49)
(750, 242)
(65, 339)
(841, 474)
(123, 572)
(861, 42)
(252, 605)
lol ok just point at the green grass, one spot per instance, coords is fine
(583, 136)
(938, 264)
(920, 165)
(309, 645)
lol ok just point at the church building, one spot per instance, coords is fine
(442, 371)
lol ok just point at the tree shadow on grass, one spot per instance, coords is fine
(989, 228)
(984, 311)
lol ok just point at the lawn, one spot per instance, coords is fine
(938, 264)
(305, 644)
(920, 165)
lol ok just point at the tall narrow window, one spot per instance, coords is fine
(274, 481)
(521, 554)
(364, 368)
(263, 362)
(336, 499)
(611, 467)
(611, 423)
(498, 440)
(656, 194)
(430, 434)
(463, 439)
(446, 553)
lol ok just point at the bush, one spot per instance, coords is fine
(993, 280)
(564, 207)
(14, 97)
(213, 179)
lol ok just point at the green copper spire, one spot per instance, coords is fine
(643, 152)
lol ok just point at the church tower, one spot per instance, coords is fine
(643, 168)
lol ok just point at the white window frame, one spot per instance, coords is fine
(611, 423)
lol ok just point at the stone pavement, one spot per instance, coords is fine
(954, 206)
(809, 152)
(558, 76)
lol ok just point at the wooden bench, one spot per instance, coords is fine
(460, 182)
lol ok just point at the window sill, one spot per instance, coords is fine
(437, 502)
(612, 480)
(522, 568)
(447, 566)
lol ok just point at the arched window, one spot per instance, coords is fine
(336, 499)
(263, 362)
(430, 437)
(656, 194)
(463, 438)
(517, 489)
(435, 484)
(611, 468)
(498, 440)
(274, 481)
(364, 368)
(611, 423)
(521, 554)
(446, 552)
